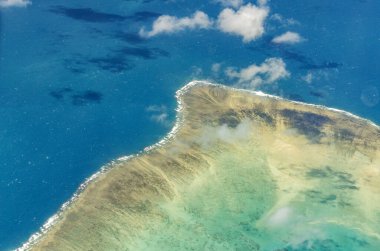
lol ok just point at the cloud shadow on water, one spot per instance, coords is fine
(59, 94)
(77, 98)
(295, 97)
(75, 64)
(129, 37)
(86, 97)
(116, 61)
(141, 16)
(270, 49)
(143, 52)
(87, 14)
(121, 59)
(322, 66)
(112, 63)
(307, 63)
(149, 1)
(318, 93)
(91, 15)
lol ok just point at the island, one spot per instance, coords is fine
(240, 170)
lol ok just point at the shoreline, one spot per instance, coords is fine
(179, 121)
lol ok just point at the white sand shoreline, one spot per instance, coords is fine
(179, 121)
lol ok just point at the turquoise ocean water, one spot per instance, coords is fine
(79, 86)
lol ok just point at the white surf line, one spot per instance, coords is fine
(178, 123)
(260, 93)
(34, 238)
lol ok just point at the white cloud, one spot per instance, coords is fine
(288, 38)
(156, 108)
(280, 217)
(370, 96)
(247, 21)
(226, 134)
(308, 78)
(161, 118)
(159, 114)
(230, 135)
(215, 68)
(14, 3)
(284, 21)
(270, 71)
(211, 135)
(196, 71)
(262, 2)
(230, 3)
(171, 24)
(316, 75)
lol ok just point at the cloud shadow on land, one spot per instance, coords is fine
(87, 14)
(307, 123)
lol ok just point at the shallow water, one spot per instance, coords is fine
(243, 171)
(76, 82)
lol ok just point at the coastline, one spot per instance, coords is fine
(179, 121)
(52, 220)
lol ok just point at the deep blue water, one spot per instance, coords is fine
(76, 81)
